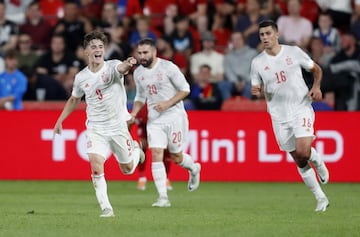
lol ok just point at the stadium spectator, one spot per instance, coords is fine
(142, 30)
(53, 90)
(289, 104)
(355, 22)
(205, 95)
(248, 23)
(117, 48)
(27, 57)
(72, 25)
(281, 8)
(208, 56)
(109, 18)
(128, 11)
(309, 9)
(169, 24)
(156, 11)
(295, 29)
(107, 115)
(221, 28)
(163, 90)
(166, 50)
(15, 10)
(59, 62)
(91, 10)
(322, 58)
(319, 54)
(238, 74)
(329, 35)
(13, 83)
(344, 72)
(182, 37)
(8, 31)
(37, 27)
(214, 59)
(225, 8)
(341, 11)
(201, 26)
(270, 8)
(192, 8)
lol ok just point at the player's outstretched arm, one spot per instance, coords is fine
(70, 106)
(126, 65)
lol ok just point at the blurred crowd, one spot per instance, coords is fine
(212, 41)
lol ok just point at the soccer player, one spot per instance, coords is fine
(163, 86)
(276, 74)
(102, 83)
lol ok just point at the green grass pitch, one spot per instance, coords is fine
(69, 208)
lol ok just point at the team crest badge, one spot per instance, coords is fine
(105, 78)
(159, 76)
(288, 61)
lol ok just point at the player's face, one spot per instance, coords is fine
(146, 55)
(95, 51)
(268, 37)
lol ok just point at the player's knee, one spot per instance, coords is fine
(176, 157)
(303, 154)
(301, 162)
(126, 169)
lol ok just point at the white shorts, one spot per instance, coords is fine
(301, 126)
(121, 145)
(170, 135)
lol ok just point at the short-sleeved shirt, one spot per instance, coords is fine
(7, 29)
(214, 59)
(105, 97)
(68, 61)
(14, 84)
(158, 84)
(294, 30)
(284, 86)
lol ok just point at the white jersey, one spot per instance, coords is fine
(105, 97)
(158, 84)
(284, 86)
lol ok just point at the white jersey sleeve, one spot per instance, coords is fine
(254, 72)
(304, 59)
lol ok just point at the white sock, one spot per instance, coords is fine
(159, 175)
(188, 163)
(100, 187)
(135, 157)
(142, 179)
(315, 158)
(309, 177)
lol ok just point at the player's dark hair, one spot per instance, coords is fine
(147, 41)
(94, 35)
(207, 66)
(266, 23)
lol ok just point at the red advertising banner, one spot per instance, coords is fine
(231, 146)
